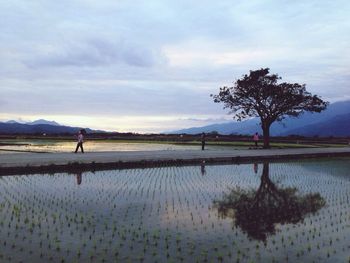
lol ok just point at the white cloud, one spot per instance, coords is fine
(162, 58)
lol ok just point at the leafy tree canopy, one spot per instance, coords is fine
(260, 94)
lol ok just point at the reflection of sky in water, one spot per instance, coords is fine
(175, 202)
(96, 146)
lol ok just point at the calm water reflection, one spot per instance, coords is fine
(258, 211)
(167, 214)
(79, 178)
(91, 146)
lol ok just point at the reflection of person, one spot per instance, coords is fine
(203, 172)
(80, 142)
(256, 139)
(255, 167)
(203, 140)
(79, 178)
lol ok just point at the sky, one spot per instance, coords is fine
(150, 66)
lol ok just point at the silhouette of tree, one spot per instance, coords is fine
(257, 212)
(259, 95)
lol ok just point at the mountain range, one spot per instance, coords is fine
(40, 121)
(334, 121)
(39, 127)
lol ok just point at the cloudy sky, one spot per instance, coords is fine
(150, 66)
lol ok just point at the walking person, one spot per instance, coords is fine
(80, 141)
(203, 140)
(256, 139)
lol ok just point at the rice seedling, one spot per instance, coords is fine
(168, 215)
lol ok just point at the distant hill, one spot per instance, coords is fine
(289, 126)
(244, 127)
(338, 126)
(42, 121)
(20, 128)
(12, 121)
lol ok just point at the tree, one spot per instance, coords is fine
(260, 95)
(257, 212)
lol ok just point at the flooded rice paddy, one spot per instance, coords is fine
(90, 146)
(277, 212)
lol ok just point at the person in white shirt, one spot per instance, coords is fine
(80, 142)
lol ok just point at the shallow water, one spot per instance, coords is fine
(171, 214)
(92, 146)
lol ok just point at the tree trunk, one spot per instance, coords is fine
(266, 134)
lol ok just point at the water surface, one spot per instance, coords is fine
(173, 214)
(92, 146)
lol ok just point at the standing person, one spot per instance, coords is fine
(256, 139)
(203, 140)
(80, 142)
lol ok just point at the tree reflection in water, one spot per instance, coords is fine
(257, 212)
